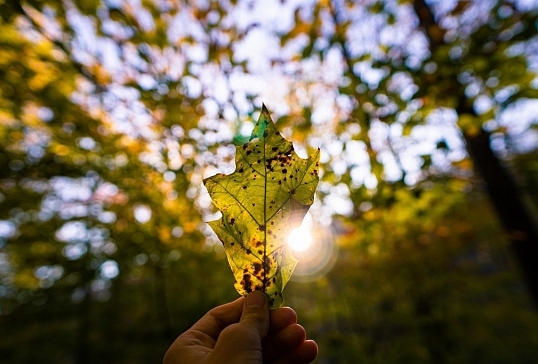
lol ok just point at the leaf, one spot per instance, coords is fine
(261, 202)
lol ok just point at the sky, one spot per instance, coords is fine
(284, 87)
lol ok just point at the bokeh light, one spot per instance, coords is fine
(300, 239)
(314, 246)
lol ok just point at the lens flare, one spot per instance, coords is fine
(314, 246)
(300, 239)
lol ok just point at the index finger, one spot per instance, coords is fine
(220, 317)
(282, 318)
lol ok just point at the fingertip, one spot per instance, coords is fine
(292, 336)
(304, 353)
(284, 342)
(256, 313)
(287, 311)
(312, 347)
(256, 299)
(284, 313)
(282, 318)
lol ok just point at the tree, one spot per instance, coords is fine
(112, 113)
(468, 68)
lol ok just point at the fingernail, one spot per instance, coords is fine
(256, 299)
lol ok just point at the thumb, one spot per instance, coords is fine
(242, 342)
(255, 314)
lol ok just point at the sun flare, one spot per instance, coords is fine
(300, 239)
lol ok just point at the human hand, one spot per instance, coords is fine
(244, 331)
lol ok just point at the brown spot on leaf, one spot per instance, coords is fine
(267, 262)
(247, 283)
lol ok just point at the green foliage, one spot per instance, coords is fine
(431, 281)
(261, 202)
(112, 114)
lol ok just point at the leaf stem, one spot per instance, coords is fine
(264, 265)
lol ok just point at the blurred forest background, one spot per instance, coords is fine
(426, 113)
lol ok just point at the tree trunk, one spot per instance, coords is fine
(161, 301)
(507, 199)
(506, 196)
(83, 331)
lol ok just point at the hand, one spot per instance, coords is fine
(244, 332)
